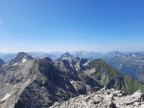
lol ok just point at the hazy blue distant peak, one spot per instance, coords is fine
(67, 54)
(6, 57)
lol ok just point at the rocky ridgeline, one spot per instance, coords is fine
(28, 82)
(110, 98)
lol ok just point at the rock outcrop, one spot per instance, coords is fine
(110, 98)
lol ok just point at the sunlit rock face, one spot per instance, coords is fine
(104, 98)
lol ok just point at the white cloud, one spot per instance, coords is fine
(0, 22)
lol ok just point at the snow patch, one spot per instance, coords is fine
(71, 81)
(15, 64)
(6, 96)
(43, 82)
(6, 64)
(7, 83)
(24, 60)
(86, 63)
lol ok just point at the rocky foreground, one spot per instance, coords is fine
(103, 98)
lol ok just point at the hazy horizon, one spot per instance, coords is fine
(74, 25)
(73, 52)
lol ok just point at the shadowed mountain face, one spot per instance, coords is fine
(1, 62)
(28, 83)
(50, 85)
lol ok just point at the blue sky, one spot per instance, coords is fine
(71, 25)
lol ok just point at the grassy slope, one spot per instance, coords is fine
(107, 76)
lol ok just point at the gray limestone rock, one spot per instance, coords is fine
(104, 99)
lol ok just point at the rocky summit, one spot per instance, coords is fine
(104, 98)
(27, 82)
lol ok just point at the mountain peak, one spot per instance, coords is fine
(20, 56)
(66, 55)
(115, 53)
(23, 54)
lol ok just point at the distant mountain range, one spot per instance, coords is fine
(7, 57)
(131, 64)
(27, 82)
